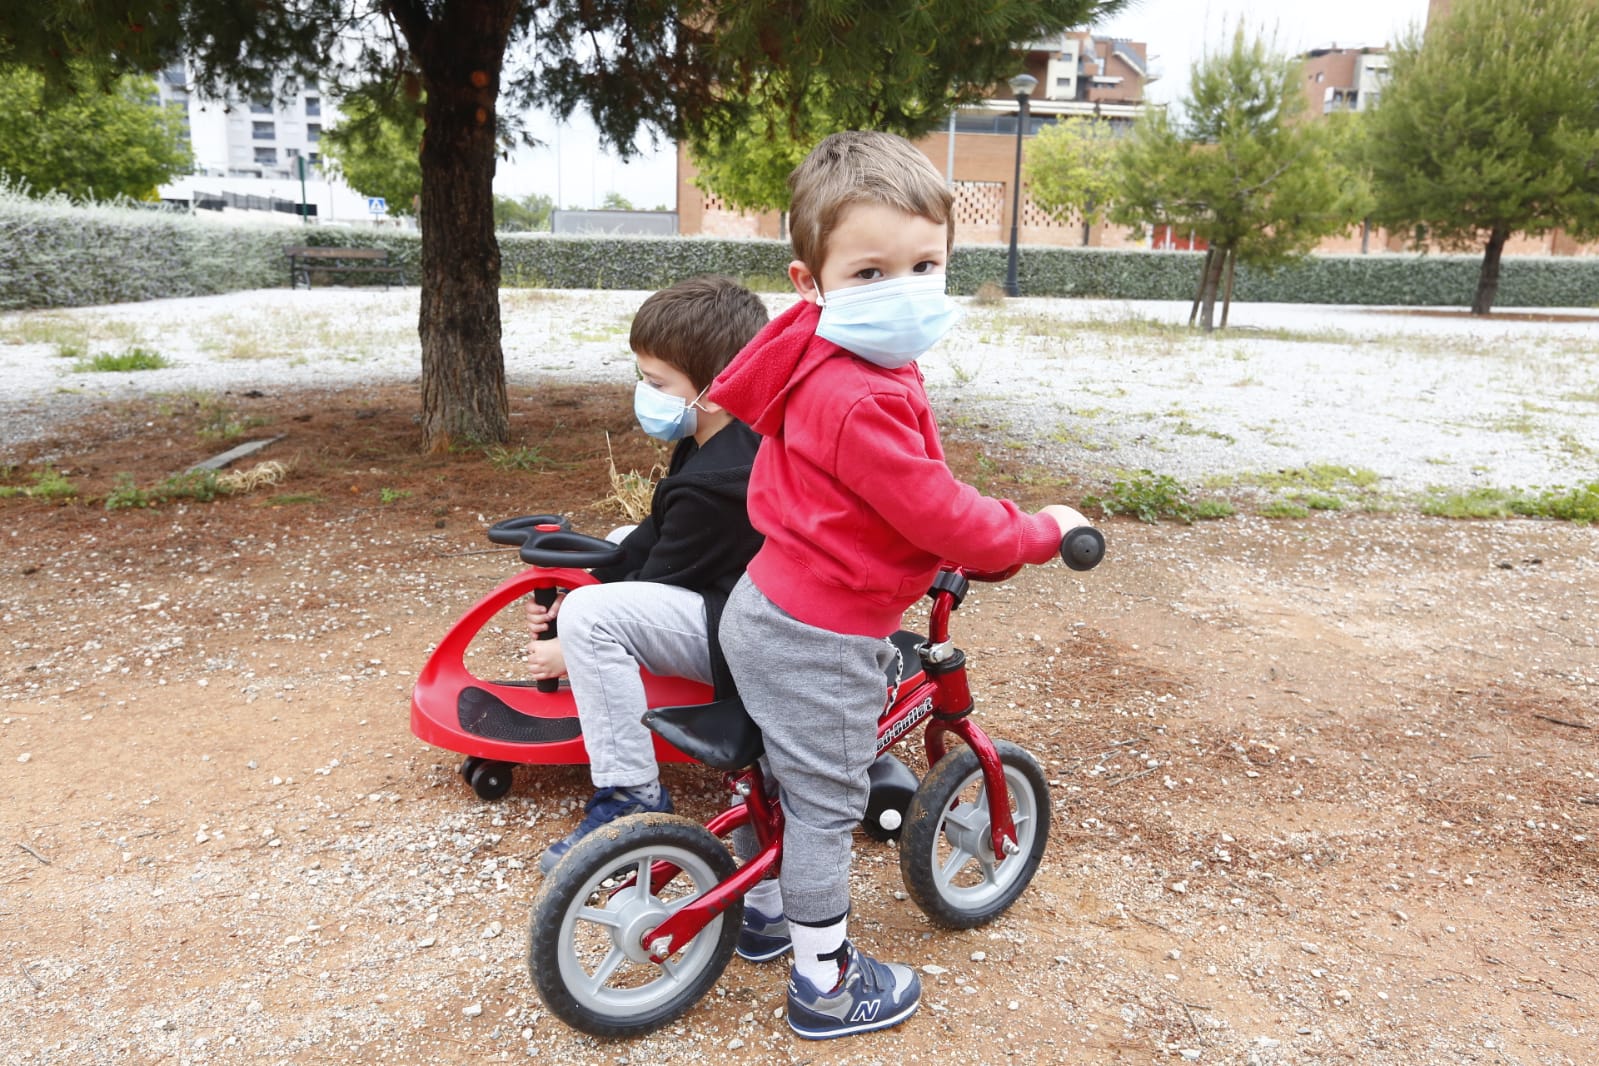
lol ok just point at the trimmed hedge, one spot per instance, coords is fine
(54, 253)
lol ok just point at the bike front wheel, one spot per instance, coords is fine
(588, 947)
(947, 853)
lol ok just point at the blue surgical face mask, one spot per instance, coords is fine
(891, 322)
(662, 415)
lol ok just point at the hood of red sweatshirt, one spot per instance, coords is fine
(756, 385)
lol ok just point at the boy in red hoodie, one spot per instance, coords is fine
(858, 509)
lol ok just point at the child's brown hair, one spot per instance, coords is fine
(861, 166)
(697, 325)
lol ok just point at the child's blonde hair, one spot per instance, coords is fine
(861, 166)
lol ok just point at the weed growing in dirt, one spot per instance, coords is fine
(132, 359)
(201, 486)
(528, 457)
(125, 495)
(222, 423)
(388, 495)
(290, 499)
(1151, 497)
(48, 484)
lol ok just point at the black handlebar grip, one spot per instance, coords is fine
(1082, 548)
(545, 597)
(515, 531)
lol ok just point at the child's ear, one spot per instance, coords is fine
(804, 281)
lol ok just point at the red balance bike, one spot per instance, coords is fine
(637, 922)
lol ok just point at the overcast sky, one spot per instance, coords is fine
(573, 170)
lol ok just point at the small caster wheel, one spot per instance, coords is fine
(491, 780)
(469, 767)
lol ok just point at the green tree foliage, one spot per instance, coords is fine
(85, 143)
(1490, 126)
(1242, 168)
(673, 68)
(530, 213)
(374, 148)
(1071, 170)
(615, 201)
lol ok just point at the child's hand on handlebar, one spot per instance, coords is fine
(1066, 517)
(539, 617)
(544, 658)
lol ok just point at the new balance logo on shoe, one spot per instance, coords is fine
(866, 1011)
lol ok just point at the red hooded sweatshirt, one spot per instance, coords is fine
(850, 486)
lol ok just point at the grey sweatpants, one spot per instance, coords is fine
(607, 632)
(816, 695)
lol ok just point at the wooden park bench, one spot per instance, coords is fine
(344, 264)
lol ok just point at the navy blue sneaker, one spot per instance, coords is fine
(871, 995)
(603, 808)
(762, 939)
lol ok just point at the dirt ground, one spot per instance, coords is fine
(1324, 790)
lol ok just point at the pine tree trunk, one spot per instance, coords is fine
(1227, 293)
(1213, 268)
(1488, 279)
(463, 367)
(1199, 293)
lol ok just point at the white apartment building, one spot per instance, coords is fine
(258, 155)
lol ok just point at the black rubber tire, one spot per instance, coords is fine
(585, 882)
(491, 780)
(468, 765)
(952, 790)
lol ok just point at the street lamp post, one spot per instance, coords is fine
(1021, 85)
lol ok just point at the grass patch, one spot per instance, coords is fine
(1284, 509)
(1146, 495)
(47, 484)
(767, 283)
(221, 423)
(528, 457)
(388, 495)
(1579, 505)
(121, 362)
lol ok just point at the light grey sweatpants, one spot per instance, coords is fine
(816, 695)
(607, 632)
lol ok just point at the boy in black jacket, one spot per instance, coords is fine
(659, 608)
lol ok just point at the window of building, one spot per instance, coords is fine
(313, 132)
(258, 108)
(265, 131)
(269, 156)
(313, 106)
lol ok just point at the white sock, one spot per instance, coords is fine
(766, 897)
(816, 949)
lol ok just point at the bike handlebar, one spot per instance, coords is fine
(1082, 548)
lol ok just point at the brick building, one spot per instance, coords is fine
(1080, 75)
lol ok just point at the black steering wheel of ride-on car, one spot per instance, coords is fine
(515, 531)
(552, 548)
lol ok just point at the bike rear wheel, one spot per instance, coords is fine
(587, 948)
(947, 854)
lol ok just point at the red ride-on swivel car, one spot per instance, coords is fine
(499, 723)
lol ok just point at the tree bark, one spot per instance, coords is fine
(463, 367)
(1213, 268)
(1199, 293)
(1488, 279)
(1227, 293)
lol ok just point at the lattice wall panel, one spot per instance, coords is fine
(979, 203)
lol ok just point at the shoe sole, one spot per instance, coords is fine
(766, 956)
(851, 1030)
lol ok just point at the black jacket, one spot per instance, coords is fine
(698, 534)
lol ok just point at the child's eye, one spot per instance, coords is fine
(926, 266)
(869, 274)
